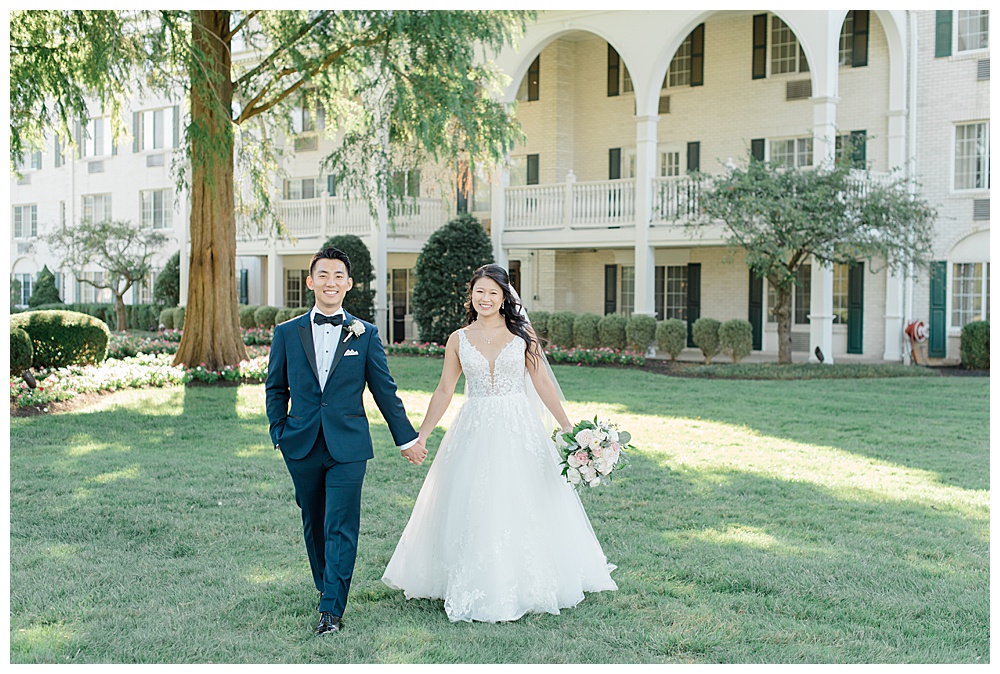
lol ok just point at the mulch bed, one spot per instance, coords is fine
(79, 400)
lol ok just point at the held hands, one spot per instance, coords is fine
(416, 453)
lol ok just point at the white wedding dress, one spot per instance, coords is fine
(496, 531)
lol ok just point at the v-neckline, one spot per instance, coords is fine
(492, 365)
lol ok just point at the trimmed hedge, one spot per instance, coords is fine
(178, 318)
(289, 313)
(246, 315)
(62, 338)
(561, 328)
(540, 322)
(585, 331)
(975, 345)
(640, 331)
(671, 336)
(167, 319)
(20, 351)
(705, 333)
(137, 316)
(264, 316)
(736, 339)
(611, 331)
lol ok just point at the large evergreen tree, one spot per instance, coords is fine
(783, 218)
(384, 80)
(44, 291)
(443, 270)
(359, 300)
(167, 289)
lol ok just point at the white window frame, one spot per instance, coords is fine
(156, 129)
(797, 61)
(95, 139)
(668, 161)
(675, 282)
(88, 294)
(295, 287)
(802, 149)
(89, 207)
(627, 292)
(982, 158)
(967, 16)
(984, 293)
(18, 221)
(27, 285)
(295, 188)
(841, 286)
(845, 51)
(152, 217)
(628, 167)
(799, 295)
(679, 71)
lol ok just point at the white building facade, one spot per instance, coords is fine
(617, 108)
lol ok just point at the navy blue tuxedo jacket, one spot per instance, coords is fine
(339, 407)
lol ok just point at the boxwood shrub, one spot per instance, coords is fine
(585, 331)
(167, 319)
(540, 322)
(61, 338)
(247, 314)
(264, 316)
(611, 331)
(640, 331)
(705, 333)
(561, 328)
(20, 351)
(736, 339)
(975, 345)
(671, 336)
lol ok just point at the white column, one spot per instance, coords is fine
(645, 166)
(275, 279)
(893, 316)
(380, 265)
(821, 316)
(897, 139)
(824, 129)
(498, 212)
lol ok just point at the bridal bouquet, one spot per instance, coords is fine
(592, 451)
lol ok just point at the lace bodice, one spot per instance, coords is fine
(507, 376)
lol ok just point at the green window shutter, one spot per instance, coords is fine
(659, 288)
(755, 310)
(698, 56)
(610, 288)
(860, 47)
(177, 126)
(614, 163)
(759, 46)
(694, 156)
(331, 185)
(942, 33)
(532, 169)
(859, 148)
(757, 149)
(614, 64)
(58, 161)
(855, 307)
(534, 76)
(693, 298)
(937, 346)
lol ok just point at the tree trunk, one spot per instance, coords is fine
(782, 310)
(211, 320)
(120, 311)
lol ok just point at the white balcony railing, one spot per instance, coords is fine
(328, 216)
(674, 199)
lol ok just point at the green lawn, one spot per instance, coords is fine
(800, 521)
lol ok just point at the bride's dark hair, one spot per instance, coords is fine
(510, 309)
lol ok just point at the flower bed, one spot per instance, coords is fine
(556, 354)
(411, 349)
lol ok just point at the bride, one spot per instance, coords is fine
(496, 531)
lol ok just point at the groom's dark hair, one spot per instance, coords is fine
(331, 253)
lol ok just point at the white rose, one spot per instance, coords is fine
(602, 466)
(595, 444)
(588, 472)
(573, 475)
(611, 455)
(584, 437)
(573, 461)
(613, 435)
(593, 483)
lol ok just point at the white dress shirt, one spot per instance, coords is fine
(325, 341)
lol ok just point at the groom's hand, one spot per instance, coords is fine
(416, 453)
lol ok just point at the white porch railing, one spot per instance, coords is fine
(674, 199)
(327, 216)
(536, 207)
(602, 203)
(599, 203)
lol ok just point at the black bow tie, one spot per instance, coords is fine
(320, 319)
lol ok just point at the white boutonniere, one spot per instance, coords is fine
(355, 329)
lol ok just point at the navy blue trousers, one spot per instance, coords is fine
(329, 494)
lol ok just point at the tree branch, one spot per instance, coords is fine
(229, 36)
(304, 30)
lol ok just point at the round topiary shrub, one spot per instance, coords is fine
(640, 332)
(975, 345)
(247, 315)
(265, 316)
(167, 319)
(736, 339)
(585, 330)
(44, 291)
(561, 328)
(288, 313)
(671, 336)
(360, 299)
(540, 322)
(178, 318)
(705, 333)
(61, 338)
(443, 270)
(611, 331)
(20, 351)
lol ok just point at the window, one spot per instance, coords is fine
(528, 91)
(95, 207)
(156, 129)
(26, 281)
(972, 156)
(670, 163)
(26, 221)
(759, 67)
(144, 290)
(679, 73)
(300, 188)
(87, 293)
(973, 30)
(35, 160)
(407, 183)
(792, 152)
(62, 214)
(786, 54)
(481, 189)
(800, 297)
(675, 291)
(628, 290)
(296, 290)
(854, 39)
(840, 287)
(92, 139)
(855, 142)
(156, 206)
(970, 293)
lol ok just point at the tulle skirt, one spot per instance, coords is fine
(496, 531)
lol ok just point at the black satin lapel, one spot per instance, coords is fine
(345, 340)
(306, 335)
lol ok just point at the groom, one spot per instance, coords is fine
(321, 361)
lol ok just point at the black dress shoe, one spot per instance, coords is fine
(327, 623)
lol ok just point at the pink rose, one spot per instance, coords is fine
(581, 457)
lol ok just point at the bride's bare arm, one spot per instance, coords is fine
(546, 389)
(445, 389)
